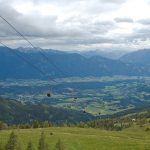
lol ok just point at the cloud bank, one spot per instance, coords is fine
(77, 25)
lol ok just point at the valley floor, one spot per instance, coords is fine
(95, 95)
(135, 138)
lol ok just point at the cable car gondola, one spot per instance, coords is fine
(49, 95)
(84, 111)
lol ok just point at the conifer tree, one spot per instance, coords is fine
(59, 145)
(30, 146)
(12, 142)
(42, 144)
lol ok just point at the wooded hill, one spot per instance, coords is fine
(14, 112)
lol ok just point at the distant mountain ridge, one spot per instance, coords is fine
(62, 64)
(141, 57)
(111, 54)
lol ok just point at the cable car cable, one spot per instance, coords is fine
(42, 54)
(25, 60)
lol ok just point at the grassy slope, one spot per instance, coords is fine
(135, 138)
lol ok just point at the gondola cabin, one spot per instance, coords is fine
(48, 94)
(84, 111)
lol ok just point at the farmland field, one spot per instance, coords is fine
(101, 95)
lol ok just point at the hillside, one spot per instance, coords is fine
(60, 64)
(141, 57)
(113, 67)
(14, 112)
(138, 112)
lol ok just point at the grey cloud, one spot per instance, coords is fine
(36, 26)
(144, 21)
(74, 1)
(7, 11)
(85, 6)
(32, 26)
(142, 34)
(100, 40)
(39, 26)
(83, 27)
(124, 20)
(102, 27)
(98, 6)
(114, 1)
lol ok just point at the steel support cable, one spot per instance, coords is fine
(42, 54)
(25, 60)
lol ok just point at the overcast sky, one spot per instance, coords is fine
(77, 24)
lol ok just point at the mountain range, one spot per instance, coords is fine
(141, 57)
(111, 54)
(56, 64)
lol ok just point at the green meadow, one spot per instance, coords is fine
(134, 138)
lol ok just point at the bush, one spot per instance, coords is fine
(3, 125)
(147, 129)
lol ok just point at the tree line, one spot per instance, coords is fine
(107, 124)
(116, 124)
